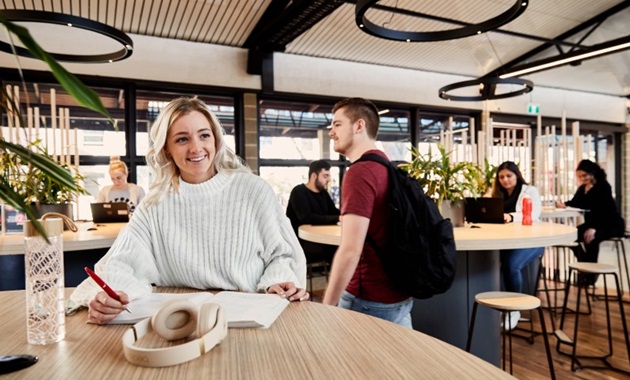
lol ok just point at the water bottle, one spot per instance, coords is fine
(527, 211)
(43, 261)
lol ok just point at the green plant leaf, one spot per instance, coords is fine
(80, 92)
(48, 167)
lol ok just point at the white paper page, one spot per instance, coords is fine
(250, 309)
(147, 306)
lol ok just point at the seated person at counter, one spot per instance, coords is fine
(207, 223)
(602, 220)
(510, 185)
(310, 203)
(121, 190)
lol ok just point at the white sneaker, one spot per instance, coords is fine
(511, 320)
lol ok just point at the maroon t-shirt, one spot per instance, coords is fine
(364, 193)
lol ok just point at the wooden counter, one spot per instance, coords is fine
(486, 237)
(82, 248)
(308, 341)
(82, 240)
(447, 316)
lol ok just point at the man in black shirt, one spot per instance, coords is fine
(310, 203)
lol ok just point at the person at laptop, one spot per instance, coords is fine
(207, 223)
(121, 190)
(510, 185)
(310, 203)
(602, 221)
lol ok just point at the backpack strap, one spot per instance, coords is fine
(374, 158)
(385, 162)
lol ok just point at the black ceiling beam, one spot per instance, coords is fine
(569, 33)
(282, 22)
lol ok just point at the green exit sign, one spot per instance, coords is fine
(533, 109)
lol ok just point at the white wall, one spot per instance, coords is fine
(202, 64)
(166, 60)
(337, 78)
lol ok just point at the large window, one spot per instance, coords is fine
(293, 134)
(434, 126)
(69, 132)
(293, 131)
(65, 129)
(393, 135)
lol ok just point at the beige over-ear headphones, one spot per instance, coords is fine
(177, 319)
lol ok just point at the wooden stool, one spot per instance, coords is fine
(604, 270)
(506, 302)
(620, 247)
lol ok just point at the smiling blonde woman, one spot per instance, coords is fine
(207, 222)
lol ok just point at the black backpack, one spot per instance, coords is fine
(419, 257)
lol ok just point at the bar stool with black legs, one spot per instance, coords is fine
(620, 248)
(583, 268)
(505, 302)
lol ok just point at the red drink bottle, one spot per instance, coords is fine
(527, 211)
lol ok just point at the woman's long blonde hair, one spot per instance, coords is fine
(166, 172)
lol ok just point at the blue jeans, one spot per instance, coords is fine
(399, 312)
(512, 263)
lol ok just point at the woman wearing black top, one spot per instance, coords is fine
(602, 220)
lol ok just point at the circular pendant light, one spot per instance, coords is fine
(75, 22)
(487, 89)
(467, 30)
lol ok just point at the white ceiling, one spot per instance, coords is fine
(276, 25)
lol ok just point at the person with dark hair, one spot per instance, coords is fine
(310, 203)
(358, 281)
(510, 185)
(602, 221)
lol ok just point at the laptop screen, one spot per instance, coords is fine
(115, 212)
(484, 210)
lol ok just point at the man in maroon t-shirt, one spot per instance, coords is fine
(357, 279)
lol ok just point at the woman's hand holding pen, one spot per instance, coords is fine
(289, 291)
(103, 308)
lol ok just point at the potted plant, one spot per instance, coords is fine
(36, 187)
(485, 177)
(37, 163)
(447, 182)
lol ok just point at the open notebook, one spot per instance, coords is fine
(243, 310)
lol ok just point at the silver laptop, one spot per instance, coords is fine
(116, 212)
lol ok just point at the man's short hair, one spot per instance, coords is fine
(359, 108)
(318, 166)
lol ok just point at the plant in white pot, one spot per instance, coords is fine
(447, 182)
(58, 179)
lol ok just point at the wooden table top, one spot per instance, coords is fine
(102, 237)
(309, 340)
(486, 237)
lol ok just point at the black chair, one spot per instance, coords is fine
(318, 260)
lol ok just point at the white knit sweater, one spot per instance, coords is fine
(229, 233)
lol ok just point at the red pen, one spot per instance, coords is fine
(104, 285)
